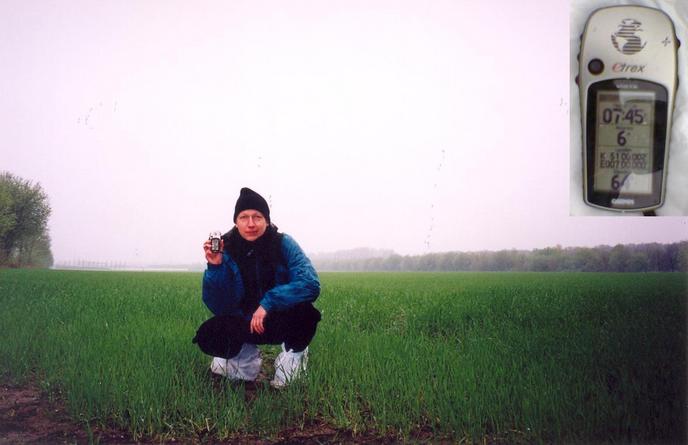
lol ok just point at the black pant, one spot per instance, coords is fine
(223, 335)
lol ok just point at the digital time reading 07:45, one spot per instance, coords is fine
(627, 79)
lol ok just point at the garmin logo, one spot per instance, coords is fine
(625, 39)
(623, 201)
(627, 68)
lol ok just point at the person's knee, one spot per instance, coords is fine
(220, 336)
(302, 328)
(306, 314)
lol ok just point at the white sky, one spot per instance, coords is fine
(408, 125)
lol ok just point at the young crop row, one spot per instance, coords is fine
(520, 356)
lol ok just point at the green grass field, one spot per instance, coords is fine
(573, 357)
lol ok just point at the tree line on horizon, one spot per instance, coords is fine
(649, 257)
(25, 242)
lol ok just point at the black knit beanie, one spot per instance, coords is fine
(250, 200)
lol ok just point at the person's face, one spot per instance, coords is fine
(251, 224)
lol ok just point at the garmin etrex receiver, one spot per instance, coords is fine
(627, 79)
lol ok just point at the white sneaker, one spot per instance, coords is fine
(243, 366)
(288, 366)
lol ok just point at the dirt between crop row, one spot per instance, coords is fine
(27, 416)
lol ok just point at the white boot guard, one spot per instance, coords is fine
(243, 366)
(288, 366)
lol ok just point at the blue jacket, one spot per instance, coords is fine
(295, 282)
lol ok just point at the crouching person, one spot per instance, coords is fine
(260, 286)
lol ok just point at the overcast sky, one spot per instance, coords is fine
(407, 125)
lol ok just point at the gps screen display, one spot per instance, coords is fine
(624, 141)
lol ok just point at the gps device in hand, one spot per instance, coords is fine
(215, 241)
(627, 79)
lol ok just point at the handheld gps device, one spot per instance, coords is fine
(627, 79)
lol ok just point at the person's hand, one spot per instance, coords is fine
(257, 320)
(213, 258)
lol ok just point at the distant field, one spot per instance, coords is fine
(516, 356)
